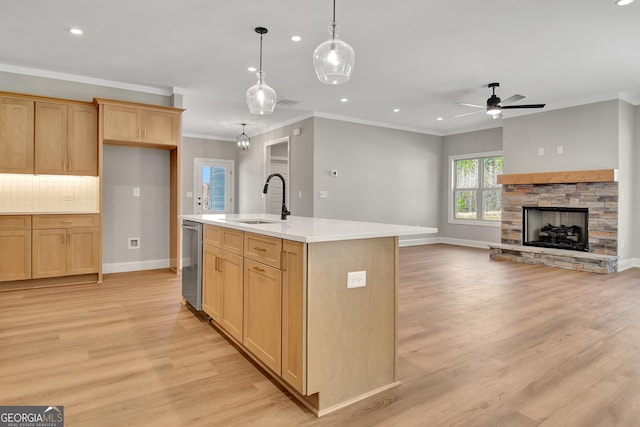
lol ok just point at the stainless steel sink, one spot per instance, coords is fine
(252, 221)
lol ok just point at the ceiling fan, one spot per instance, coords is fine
(495, 105)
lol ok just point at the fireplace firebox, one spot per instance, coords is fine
(556, 227)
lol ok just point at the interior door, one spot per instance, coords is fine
(213, 186)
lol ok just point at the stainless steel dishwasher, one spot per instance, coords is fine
(192, 263)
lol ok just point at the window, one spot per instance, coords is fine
(476, 194)
(213, 186)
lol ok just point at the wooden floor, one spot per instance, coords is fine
(482, 343)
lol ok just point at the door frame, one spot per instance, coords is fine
(266, 163)
(230, 164)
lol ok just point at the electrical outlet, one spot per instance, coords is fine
(323, 194)
(134, 242)
(559, 149)
(541, 151)
(333, 172)
(136, 191)
(299, 194)
(356, 279)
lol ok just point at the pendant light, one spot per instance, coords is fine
(243, 140)
(333, 60)
(261, 98)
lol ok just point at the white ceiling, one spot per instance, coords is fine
(416, 55)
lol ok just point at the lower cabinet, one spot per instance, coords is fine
(62, 247)
(15, 247)
(262, 313)
(223, 289)
(259, 298)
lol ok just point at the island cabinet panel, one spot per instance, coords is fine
(294, 314)
(16, 135)
(262, 313)
(346, 363)
(15, 247)
(211, 282)
(264, 249)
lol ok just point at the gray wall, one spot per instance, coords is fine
(124, 216)
(466, 143)
(251, 169)
(588, 134)
(191, 148)
(384, 175)
(626, 197)
(635, 243)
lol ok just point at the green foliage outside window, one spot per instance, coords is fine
(476, 187)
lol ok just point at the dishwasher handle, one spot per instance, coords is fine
(188, 227)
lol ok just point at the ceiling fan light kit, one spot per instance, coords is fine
(495, 105)
(261, 98)
(333, 60)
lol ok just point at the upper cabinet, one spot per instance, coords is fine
(138, 124)
(66, 139)
(16, 135)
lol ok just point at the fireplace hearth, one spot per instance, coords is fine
(556, 227)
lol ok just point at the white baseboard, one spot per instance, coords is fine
(463, 242)
(628, 263)
(122, 267)
(417, 242)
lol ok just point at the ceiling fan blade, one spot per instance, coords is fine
(467, 114)
(471, 105)
(524, 106)
(512, 99)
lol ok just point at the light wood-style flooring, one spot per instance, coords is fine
(481, 343)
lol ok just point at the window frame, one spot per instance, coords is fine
(452, 189)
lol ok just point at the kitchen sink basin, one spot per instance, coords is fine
(252, 221)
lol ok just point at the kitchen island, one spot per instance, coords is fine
(313, 301)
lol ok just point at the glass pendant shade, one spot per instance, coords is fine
(261, 98)
(333, 61)
(243, 140)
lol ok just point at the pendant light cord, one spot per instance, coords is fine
(333, 24)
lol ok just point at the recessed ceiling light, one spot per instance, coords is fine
(395, 110)
(623, 2)
(439, 119)
(296, 38)
(76, 31)
(344, 100)
(252, 69)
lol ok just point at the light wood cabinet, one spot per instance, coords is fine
(294, 315)
(264, 249)
(15, 247)
(222, 279)
(61, 246)
(263, 313)
(66, 139)
(16, 135)
(142, 125)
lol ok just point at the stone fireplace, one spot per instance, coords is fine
(579, 207)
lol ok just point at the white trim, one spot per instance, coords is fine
(83, 79)
(123, 267)
(628, 263)
(417, 242)
(478, 222)
(378, 124)
(210, 137)
(474, 155)
(266, 150)
(464, 242)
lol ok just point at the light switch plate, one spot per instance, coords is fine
(323, 194)
(136, 191)
(356, 279)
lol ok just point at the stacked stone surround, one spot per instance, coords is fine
(601, 198)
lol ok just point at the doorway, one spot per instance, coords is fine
(276, 160)
(213, 186)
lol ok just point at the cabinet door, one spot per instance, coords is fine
(82, 142)
(82, 251)
(15, 255)
(122, 123)
(262, 313)
(16, 135)
(51, 138)
(231, 268)
(160, 127)
(294, 322)
(49, 256)
(211, 282)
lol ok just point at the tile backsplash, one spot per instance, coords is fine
(21, 193)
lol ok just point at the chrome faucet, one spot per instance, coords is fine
(285, 212)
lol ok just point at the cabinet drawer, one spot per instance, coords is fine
(225, 238)
(264, 249)
(64, 221)
(15, 222)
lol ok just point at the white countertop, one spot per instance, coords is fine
(310, 230)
